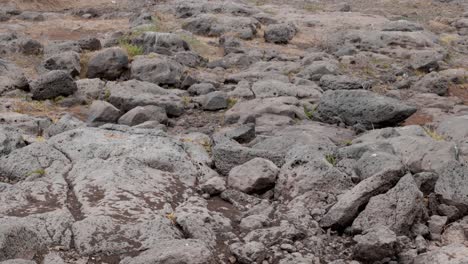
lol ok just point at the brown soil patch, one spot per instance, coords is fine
(460, 91)
(418, 118)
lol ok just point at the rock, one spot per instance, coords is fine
(102, 112)
(248, 111)
(57, 47)
(275, 235)
(359, 107)
(27, 124)
(175, 251)
(402, 25)
(397, 209)
(274, 88)
(253, 222)
(280, 33)
(31, 16)
(52, 84)
(10, 139)
(371, 163)
(91, 89)
(242, 134)
(375, 244)
(454, 128)
(214, 186)
(130, 94)
(65, 123)
(256, 175)
(200, 223)
(89, 43)
(451, 254)
(163, 43)
(141, 114)
(230, 44)
(426, 60)
(212, 26)
(11, 77)
(347, 208)
(107, 64)
(140, 19)
(342, 82)
(317, 69)
(201, 88)
(426, 181)
(451, 185)
(17, 261)
(160, 71)
(215, 101)
(251, 252)
(67, 61)
(432, 83)
(190, 59)
(30, 47)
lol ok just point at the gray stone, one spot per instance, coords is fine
(402, 25)
(251, 252)
(347, 208)
(451, 254)
(89, 43)
(212, 26)
(360, 107)
(280, 33)
(31, 16)
(140, 19)
(242, 134)
(248, 111)
(65, 123)
(141, 114)
(342, 82)
(372, 163)
(29, 46)
(107, 64)
(29, 125)
(160, 71)
(67, 61)
(190, 59)
(130, 94)
(214, 186)
(375, 244)
(53, 84)
(91, 89)
(215, 101)
(426, 60)
(103, 112)
(57, 47)
(174, 251)
(397, 209)
(163, 43)
(11, 77)
(201, 88)
(426, 181)
(433, 82)
(10, 139)
(255, 175)
(452, 185)
(317, 69)
(18, 261)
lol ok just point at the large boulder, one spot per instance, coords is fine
(53, 84)
(375, 244)
(130, 94)
(163, 43)
(397, 209)
(255, 175)
(67, 61)
(215, 101)
(11, 77)
(364, 108)
(160, 71)
(452, 185)
(107, 64)
(102, 112)
(451, 254)
(141, 114)
(280, 33)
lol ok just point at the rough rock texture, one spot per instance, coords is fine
(107, 64)
(364, 108)
(280, 33)
(255, 175)
(53, 84)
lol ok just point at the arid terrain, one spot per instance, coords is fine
(243, 131)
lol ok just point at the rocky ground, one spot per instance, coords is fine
(254, 131)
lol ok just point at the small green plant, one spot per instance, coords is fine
(313, 7)
(309, 113)
(433, 134)
(186, 100)
(231, 102)
(172, 217)
(348, 142)
(132, 50)
(40, 172)
(331, 159)
(107, 95)
(58, 99)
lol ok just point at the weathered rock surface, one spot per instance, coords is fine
(107, 64)
(53, 84)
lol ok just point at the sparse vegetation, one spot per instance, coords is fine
(186, 100)
(309, 113)
(231, 102)
(132, 50)
(197, 45)
(433, 134)
(331, 159)
(172, 217)
(39, 172)
(107, 94)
